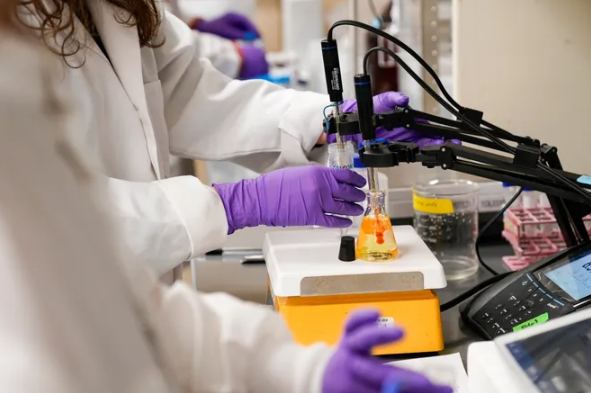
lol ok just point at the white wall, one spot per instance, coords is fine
(527, 64)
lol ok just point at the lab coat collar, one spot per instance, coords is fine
(121, 42)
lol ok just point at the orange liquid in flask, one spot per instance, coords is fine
(376, 241)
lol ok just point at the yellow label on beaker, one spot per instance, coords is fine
(432, 206)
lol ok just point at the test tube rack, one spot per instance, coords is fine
(533, 234)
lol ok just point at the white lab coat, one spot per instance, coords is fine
(148, 102)
(219, 51)
(72, 320)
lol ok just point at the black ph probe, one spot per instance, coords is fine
(367, 125)
(332, 70)
(334, 83)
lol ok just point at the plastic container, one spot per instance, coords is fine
(545, 229)
(341, 158)
(446, 218)
(530, 200)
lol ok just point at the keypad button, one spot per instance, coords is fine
(503, 311)
(485, 316)
(523, 308)
(530, 302)
(512, 298)
(508, 317)
(489, 321)
(553, 306)
(529, 290)
(496, 326)
(536, 295)
(498, 307)
(501, 331)
(525, 282)
(514, 321)
(516, 304)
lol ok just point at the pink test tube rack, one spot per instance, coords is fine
(533, 234)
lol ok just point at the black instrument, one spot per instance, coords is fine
(543, 291)
(546, 290)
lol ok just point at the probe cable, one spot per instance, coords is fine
(472, 291)
(488, 225)
(569, 183)
(442, 102)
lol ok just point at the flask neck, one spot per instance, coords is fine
(376, 202)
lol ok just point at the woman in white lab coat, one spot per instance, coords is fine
(143, 93)
(74, 319)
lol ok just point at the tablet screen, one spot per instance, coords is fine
(557, 361)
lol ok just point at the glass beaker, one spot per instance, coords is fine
(376, 241)
(446, 218)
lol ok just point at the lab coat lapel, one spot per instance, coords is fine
(122, 44)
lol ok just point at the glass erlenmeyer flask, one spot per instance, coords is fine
(376, 242)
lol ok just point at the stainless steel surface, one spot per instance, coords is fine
(365, 283)
(226, 273)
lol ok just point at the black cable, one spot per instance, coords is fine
(488, 225)
(472, 291)
(436, 96)
(401, 44)
(569, 183)
(450, 99)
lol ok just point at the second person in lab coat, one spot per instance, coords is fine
(143, 92)
(75, 319)
(227, 42)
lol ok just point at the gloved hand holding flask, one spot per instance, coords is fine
(352, 368)
(387, 102)
(297, 196)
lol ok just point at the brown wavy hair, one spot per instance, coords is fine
(143, 14)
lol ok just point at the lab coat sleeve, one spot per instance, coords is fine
(212, 117)
(218, 343)
(222, 53)
(169, 221)
(219, 51)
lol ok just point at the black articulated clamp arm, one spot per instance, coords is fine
(519, 169)
(521, 161)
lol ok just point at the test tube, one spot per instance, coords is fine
(545, 229)
(530, 202)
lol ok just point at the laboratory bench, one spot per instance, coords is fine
(246, 278)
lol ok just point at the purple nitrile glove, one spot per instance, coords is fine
(231, 26)
(297, 196)
(387, 102)
(254, 62)
(352, 369)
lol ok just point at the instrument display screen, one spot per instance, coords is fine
(569, 278)
(557, 361)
